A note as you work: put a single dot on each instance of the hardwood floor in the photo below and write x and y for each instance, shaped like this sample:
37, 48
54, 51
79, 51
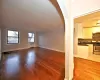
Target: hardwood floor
33, 64
86, 69
43, 64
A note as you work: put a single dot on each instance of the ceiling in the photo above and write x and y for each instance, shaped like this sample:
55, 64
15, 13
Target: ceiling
89, 20
33, 15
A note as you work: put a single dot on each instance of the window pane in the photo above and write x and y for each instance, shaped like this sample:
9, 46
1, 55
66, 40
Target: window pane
12, 40
30, 34
13, 33
31, 39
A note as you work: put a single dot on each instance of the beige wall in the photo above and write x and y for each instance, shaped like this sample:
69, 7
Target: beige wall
23, 41
96, 29
53, 40
87, 32
79, 32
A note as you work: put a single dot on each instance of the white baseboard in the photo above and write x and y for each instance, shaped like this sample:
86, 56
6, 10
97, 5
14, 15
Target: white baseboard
14, 49
52, 49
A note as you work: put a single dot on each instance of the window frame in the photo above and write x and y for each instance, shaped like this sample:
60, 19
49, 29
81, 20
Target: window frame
13, 37
31, 37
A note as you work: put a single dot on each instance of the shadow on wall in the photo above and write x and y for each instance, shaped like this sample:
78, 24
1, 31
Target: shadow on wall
56, 5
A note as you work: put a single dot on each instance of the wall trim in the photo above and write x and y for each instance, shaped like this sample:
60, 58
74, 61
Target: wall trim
14, 49
17, 49
52, 49
31, 47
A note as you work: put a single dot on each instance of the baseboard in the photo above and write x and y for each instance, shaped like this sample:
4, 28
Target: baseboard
13, 50
52, 49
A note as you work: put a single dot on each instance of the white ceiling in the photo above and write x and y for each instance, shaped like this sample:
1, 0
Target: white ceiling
34, 15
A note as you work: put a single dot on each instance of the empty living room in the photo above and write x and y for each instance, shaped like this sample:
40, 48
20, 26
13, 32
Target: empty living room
49, 39
32, 40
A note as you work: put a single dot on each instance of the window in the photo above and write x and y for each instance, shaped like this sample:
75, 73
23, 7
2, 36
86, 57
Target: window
30, 37
13, 37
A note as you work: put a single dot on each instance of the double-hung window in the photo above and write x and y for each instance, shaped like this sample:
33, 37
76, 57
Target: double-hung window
31, 37
12, 37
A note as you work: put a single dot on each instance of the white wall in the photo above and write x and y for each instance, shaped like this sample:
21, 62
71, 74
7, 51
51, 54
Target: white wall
82, 7
73, 8
66, 8
53, 40
23, 41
